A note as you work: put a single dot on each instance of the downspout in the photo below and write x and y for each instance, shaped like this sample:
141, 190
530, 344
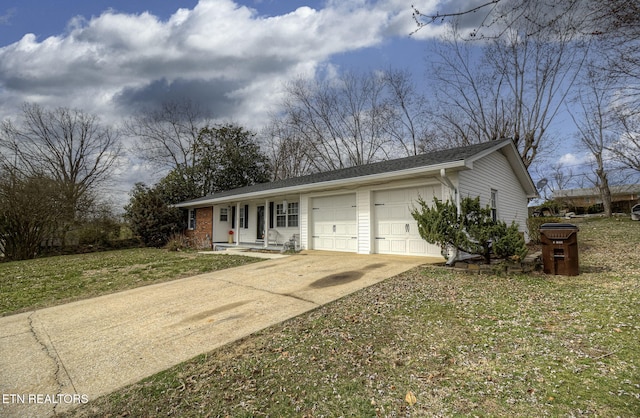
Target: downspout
447, 182
453, 252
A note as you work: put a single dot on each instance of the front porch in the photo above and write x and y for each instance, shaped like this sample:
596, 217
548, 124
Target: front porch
271, 246
250, 246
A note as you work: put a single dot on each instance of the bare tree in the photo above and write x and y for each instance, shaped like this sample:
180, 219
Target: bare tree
53, 163
28, 214
621, 45
594, 130
514, 91
349, 120
167, 137
493, 18
409, 116
553, 178
286, 151
68, 146
615, 24
339, 120
626, 145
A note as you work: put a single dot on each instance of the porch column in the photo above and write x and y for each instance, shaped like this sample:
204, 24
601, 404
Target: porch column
265, 244
236, 233
213, 222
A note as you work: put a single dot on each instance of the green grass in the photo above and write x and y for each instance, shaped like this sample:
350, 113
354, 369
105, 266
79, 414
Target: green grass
462, 344
33, 284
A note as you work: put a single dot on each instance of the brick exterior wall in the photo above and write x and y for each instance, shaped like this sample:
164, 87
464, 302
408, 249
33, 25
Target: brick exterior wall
201, 236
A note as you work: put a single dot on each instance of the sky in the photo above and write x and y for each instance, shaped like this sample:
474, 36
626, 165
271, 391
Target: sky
112, 58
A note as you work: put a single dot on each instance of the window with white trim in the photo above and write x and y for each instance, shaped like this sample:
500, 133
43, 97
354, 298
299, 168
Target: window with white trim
242, 218
289, 217
281, 216
192, 219
494, 205
292, 214
224, 214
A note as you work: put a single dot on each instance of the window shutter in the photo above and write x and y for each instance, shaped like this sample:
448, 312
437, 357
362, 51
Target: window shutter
233, 217
271, 215
246, 216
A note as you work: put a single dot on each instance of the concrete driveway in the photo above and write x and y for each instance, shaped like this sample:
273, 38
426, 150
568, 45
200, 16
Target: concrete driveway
52, 359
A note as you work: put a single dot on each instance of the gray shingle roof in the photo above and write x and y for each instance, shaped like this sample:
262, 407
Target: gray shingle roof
422, 160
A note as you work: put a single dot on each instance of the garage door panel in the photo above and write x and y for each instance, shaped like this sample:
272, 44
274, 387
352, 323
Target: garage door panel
346, 214
396, 229
323, 243
345, 244
333, 223
398, 212
383, 246
394, 226
325, 229
398, 246
346, 229
417, 246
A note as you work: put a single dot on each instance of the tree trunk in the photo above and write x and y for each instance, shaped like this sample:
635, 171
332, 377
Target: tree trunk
605, 194
603, 186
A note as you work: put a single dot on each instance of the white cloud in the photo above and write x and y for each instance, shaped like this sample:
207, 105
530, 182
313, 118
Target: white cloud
569, 159
222, 55
226, 52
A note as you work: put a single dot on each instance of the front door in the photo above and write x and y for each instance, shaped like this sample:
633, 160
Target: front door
260, 224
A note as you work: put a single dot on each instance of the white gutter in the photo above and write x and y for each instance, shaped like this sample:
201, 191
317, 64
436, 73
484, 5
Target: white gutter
446, 180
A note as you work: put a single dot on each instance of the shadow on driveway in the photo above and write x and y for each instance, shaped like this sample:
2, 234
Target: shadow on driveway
90, 348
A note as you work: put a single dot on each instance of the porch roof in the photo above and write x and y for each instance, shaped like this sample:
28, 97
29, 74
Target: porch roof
459, 158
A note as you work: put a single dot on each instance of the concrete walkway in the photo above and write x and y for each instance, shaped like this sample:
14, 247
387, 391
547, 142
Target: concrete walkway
52, 359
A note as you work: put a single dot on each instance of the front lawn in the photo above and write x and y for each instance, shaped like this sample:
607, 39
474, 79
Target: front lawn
34, 284
432, 342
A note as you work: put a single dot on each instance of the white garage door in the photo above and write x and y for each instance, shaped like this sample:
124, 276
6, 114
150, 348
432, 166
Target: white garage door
395, 230
333, 223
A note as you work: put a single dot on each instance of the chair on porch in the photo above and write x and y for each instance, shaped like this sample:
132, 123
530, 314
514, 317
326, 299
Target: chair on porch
293, 243
272, 237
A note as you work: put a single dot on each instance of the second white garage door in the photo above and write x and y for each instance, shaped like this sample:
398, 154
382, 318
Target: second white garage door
395, 230
333, 223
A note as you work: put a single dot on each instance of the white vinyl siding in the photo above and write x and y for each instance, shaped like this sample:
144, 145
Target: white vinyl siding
494, 172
